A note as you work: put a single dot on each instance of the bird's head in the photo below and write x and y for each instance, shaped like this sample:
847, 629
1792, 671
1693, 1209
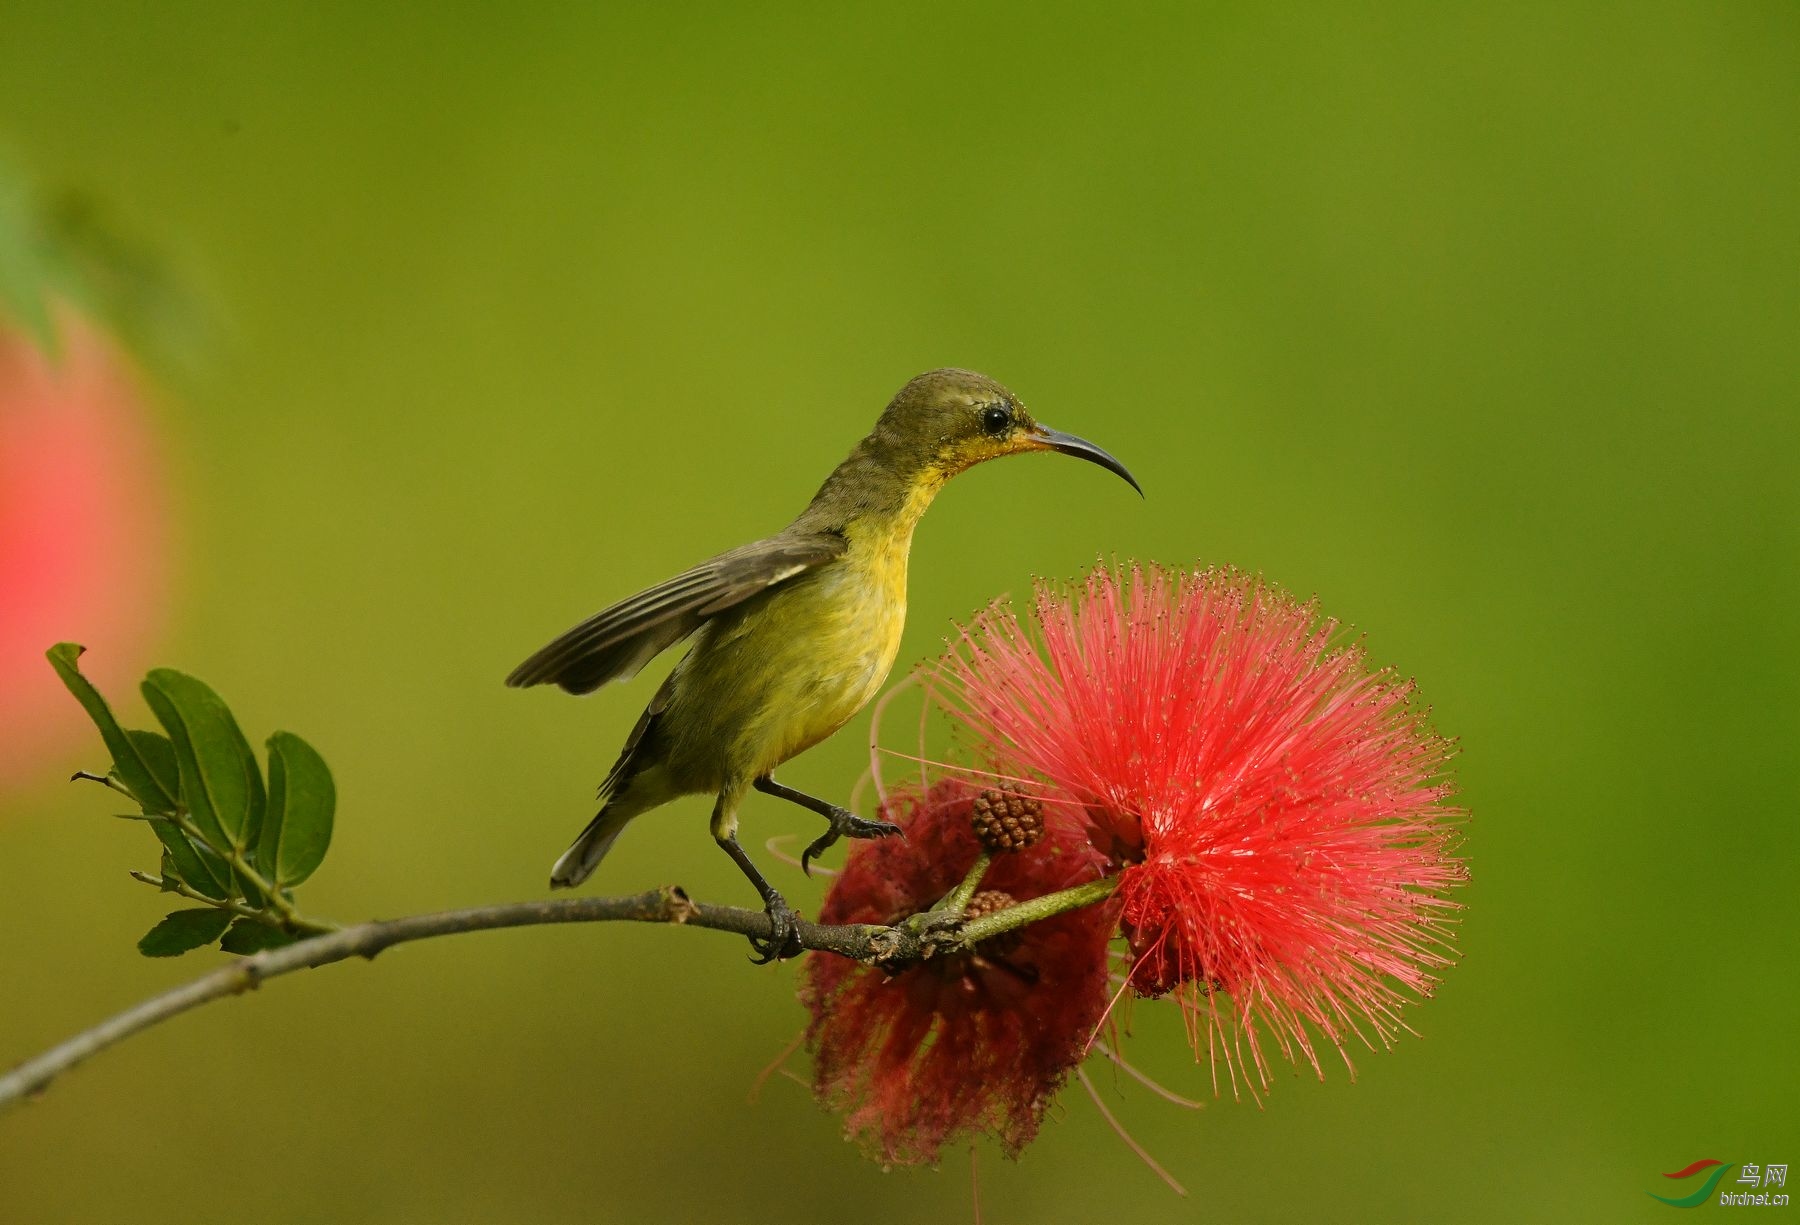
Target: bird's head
945, 421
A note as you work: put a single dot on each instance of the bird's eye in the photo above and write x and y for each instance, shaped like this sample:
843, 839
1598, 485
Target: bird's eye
996, 420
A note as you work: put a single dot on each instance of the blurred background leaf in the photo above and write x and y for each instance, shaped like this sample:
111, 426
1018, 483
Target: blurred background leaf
24, 273
1476, 321
66, 251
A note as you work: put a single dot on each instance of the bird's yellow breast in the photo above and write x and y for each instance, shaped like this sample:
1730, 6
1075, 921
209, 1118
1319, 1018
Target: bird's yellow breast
788, 669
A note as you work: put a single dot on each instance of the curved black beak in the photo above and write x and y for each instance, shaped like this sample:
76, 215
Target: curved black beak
1081, 448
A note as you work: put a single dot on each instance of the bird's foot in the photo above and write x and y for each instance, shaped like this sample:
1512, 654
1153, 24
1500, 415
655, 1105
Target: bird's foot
784, 933
844, 824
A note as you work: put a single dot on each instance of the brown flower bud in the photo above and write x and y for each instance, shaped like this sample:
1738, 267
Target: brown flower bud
985, 903
1006, 819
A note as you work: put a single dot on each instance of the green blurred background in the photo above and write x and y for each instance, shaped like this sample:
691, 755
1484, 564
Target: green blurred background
1479, 322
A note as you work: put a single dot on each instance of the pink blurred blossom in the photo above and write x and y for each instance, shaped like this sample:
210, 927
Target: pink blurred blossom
84, 537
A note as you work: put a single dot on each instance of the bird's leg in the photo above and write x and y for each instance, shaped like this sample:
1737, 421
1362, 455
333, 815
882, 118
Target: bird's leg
842, 822
784, 936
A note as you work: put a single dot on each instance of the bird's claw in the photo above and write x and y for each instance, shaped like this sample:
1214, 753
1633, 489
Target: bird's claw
844, 824
784, 933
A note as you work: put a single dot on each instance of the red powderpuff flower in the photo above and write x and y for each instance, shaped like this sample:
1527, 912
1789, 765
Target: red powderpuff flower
1278, 810
965, 1043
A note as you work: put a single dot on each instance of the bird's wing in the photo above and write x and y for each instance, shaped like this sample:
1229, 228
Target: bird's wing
615, 642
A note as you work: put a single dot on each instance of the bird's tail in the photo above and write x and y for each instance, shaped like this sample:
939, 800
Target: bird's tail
579, 861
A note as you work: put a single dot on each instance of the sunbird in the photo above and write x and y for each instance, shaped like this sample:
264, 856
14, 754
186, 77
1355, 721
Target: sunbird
793, 635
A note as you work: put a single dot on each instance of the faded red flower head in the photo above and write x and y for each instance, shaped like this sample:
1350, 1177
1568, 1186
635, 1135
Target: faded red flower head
959, 1044
84, 546
1278, 810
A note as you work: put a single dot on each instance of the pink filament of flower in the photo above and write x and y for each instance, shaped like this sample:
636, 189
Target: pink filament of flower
958, 1044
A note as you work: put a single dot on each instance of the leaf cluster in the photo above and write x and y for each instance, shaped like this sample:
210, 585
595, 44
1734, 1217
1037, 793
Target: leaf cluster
234, 839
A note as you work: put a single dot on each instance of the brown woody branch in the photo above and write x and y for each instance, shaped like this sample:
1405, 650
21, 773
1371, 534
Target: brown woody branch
884, 945
935, 932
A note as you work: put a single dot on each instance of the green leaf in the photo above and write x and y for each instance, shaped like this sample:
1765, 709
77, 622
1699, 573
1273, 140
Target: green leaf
136, 772
220, 782
158, 755
247, 888
196, 868
302, 800
248, 936
184, 930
